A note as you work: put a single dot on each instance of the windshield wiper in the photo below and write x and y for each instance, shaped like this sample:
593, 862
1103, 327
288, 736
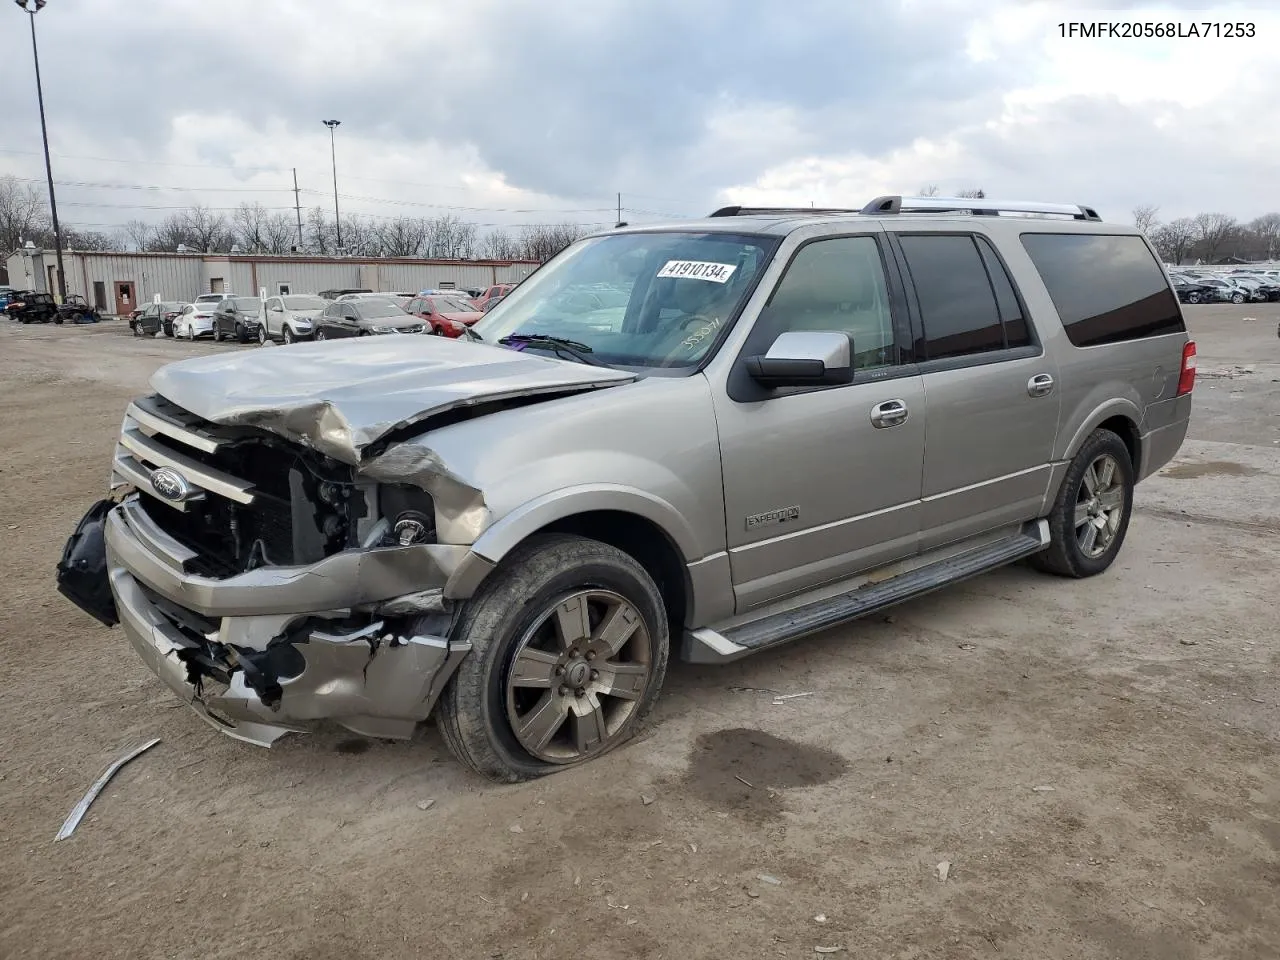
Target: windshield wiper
560, 345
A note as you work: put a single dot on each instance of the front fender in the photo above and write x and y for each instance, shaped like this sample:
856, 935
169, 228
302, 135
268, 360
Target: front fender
515, 527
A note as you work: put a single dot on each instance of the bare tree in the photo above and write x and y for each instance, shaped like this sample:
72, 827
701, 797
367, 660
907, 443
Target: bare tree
543, 241
22, 213
975, 192
1266, 229
499, 245
279, 233
74, 238
930, 191
170, 233
450, 238
137, 233
1173, 240
209, 230
403, 236
360, 237
1213, 231
1144, 218
250, 224
319, 232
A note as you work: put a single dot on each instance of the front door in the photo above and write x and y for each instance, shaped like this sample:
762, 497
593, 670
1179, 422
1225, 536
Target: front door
126, 303
990, 387
823, 483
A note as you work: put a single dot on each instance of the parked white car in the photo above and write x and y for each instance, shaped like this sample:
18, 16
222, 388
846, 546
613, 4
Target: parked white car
290, 317
196, 320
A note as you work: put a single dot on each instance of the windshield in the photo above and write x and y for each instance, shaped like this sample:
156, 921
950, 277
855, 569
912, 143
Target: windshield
451, 305
248, 304
371, 309
636, 300
305, 303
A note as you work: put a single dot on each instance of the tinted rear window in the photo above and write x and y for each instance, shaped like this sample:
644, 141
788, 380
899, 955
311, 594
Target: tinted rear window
1107, 289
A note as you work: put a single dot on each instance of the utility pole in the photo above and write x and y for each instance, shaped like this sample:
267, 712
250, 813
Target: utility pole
337, 219
619, 220
31, 8
297, 207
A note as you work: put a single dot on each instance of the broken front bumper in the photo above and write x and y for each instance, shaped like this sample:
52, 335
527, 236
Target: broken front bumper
343, 639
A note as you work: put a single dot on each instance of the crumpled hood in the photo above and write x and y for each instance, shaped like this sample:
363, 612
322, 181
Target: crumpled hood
343, 396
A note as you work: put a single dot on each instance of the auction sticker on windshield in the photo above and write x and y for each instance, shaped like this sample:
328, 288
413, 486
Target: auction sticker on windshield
698, 270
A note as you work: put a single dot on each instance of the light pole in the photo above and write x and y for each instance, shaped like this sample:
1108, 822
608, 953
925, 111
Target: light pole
337, 220
31, 8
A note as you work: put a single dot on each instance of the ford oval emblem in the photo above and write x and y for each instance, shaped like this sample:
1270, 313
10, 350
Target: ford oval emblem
170, 484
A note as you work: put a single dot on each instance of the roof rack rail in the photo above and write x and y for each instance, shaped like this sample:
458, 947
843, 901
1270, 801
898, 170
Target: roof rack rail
978, 206
771, 211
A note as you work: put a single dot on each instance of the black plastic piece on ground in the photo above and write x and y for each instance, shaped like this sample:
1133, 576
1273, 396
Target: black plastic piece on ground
82, 571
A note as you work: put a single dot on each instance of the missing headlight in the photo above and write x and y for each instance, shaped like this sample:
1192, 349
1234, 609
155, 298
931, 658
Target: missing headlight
411, 514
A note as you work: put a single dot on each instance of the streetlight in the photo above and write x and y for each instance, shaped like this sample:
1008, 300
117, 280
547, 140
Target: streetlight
31, 8
331, 124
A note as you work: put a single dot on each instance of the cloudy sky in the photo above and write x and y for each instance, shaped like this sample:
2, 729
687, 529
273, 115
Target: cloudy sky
516, 111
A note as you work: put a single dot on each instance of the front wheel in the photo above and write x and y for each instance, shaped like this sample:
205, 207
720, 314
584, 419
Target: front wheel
1193, 298
137, 329
1237, 298
570, 641
288, 335
1091, 513
241, 334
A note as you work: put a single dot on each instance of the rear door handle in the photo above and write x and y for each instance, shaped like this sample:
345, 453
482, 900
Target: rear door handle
1041, 385
890, 413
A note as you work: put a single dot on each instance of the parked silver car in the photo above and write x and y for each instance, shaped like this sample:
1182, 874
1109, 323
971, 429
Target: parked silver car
290, 317
792, 419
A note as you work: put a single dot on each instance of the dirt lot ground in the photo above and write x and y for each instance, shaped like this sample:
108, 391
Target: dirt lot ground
1097, 760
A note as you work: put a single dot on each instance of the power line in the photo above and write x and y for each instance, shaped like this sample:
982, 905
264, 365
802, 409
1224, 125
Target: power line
157, 163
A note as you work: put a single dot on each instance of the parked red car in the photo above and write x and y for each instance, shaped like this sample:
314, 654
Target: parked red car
445, 316
493, 293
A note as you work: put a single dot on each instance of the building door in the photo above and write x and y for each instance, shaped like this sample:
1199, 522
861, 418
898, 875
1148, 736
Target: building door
53, 281
99, 296
217, 285
126, 300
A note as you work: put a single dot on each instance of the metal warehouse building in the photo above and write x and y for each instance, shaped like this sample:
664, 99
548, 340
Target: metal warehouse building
116, 282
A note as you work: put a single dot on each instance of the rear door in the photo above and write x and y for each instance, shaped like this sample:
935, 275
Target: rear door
990, 387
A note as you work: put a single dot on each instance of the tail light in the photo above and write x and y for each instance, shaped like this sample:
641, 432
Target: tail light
1187, 379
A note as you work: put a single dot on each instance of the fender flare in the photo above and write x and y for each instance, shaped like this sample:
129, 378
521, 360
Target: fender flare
518, 525
1105, 411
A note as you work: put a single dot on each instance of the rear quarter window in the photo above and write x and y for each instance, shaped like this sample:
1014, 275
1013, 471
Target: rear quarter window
1106, 288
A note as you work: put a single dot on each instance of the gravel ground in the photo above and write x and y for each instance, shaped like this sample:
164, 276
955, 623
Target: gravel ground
1095, 760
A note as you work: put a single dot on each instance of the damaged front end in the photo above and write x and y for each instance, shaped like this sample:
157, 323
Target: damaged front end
269, 586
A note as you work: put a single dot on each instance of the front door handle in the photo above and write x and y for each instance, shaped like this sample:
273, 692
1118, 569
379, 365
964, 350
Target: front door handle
1041, 385
890, 413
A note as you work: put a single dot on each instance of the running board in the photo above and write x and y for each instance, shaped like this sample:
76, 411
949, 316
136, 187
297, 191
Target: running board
711, 646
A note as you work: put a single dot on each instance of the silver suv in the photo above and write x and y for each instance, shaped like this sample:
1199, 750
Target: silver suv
707, 438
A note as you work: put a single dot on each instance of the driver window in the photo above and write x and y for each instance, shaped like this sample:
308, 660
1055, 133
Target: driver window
837, 284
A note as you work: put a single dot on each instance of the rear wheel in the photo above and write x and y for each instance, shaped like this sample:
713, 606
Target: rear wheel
1091, 514
1193, 298
137, 329
570, 643
320, 335
191, 333
262, 336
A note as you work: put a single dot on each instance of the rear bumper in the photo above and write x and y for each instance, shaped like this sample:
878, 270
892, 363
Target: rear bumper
298, 644
1167, 422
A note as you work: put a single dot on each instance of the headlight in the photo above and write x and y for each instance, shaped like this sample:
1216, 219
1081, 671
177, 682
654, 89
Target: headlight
301, 322
377, 329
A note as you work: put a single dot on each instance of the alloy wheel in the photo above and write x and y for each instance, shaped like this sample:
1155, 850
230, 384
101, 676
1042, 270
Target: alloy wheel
288, 335
577, 676
1099, 506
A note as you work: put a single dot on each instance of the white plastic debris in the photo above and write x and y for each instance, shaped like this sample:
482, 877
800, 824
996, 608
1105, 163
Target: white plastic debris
646, 799
426, 804
944, 870
820, 918
1044, 789
767, 878
516, 828
827, 949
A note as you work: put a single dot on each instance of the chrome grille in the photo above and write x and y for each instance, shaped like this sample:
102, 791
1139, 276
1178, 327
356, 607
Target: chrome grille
235, 497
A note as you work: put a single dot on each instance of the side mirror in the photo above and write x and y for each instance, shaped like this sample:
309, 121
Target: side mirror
805, 358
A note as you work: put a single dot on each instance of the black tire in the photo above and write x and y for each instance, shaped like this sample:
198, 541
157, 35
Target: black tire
136, 328
262, 336
1193, 298
1237, 298
217, 333
472, 711
191, 333
1065, 556
241, 334
320, 336
288, 334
